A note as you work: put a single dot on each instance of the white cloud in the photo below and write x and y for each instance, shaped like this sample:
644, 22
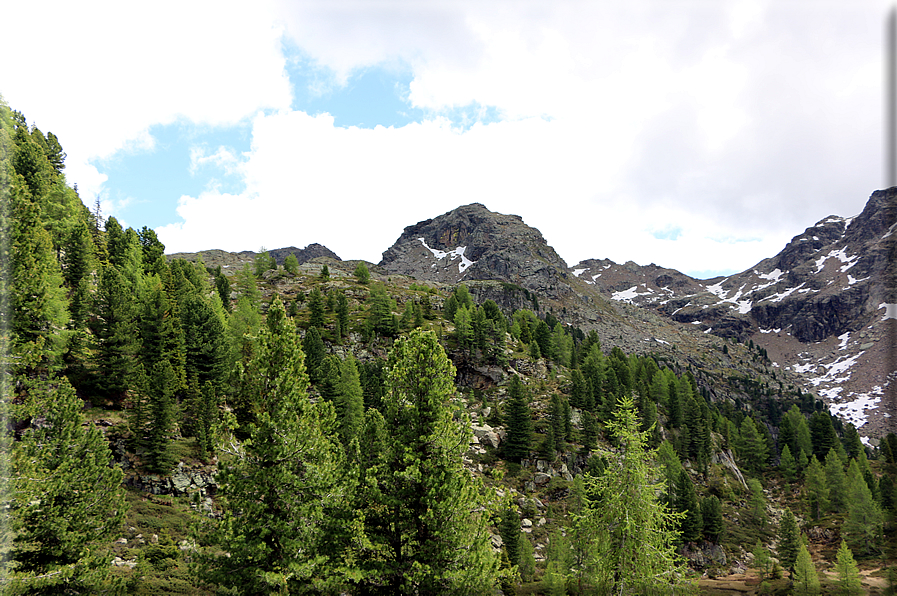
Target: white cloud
735, 120
99, 74
355, 189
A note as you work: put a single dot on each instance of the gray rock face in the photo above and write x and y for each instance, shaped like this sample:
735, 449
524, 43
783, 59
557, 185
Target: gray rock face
704, 554
473, 243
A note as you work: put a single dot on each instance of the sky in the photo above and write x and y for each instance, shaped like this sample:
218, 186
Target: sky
700, 136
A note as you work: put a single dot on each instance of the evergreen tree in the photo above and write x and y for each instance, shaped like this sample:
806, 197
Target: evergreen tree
162, 415
836, 481
349, 402
325, 272
284, 530
864, 520
692, 526
264, 262
435, 538
509, 528
762, 560
313, 346
342, 313
751, 446
757, 502
291, 264
69, 501
381, 320
115, 333
79, 263
822, 433
361, 273
712, 513
787, 465
789, 541
849, 582
38, 306
519, 439
527, 565
635, 533
806, 580
316, 308
205, 340
816, 485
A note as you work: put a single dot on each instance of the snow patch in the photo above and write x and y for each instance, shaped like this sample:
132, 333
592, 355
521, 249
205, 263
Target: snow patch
577, 272
844, 337
890, 311
629, 295
841, 255
854, 411
452, 254
779, 330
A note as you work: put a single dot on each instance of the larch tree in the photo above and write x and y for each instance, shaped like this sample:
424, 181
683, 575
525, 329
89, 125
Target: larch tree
816, 487
635, 534
848, 582
433, 536
806, 580
863, 524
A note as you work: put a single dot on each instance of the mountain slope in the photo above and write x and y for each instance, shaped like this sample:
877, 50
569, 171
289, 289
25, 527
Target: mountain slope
824, 307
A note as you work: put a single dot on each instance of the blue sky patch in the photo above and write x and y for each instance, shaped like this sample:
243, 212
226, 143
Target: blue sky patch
145, 185
668, 233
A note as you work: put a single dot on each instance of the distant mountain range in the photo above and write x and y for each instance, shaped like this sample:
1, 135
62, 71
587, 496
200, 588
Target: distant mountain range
824, 309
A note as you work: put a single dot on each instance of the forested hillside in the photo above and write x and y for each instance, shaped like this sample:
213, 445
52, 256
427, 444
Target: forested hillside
331, 428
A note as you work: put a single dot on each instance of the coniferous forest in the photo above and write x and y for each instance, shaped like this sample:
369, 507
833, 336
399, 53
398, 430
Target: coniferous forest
174, 427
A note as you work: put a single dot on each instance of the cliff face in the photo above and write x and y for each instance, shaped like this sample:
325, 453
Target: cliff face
472, 243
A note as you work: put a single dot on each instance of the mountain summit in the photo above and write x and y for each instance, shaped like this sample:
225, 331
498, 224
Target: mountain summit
472, 243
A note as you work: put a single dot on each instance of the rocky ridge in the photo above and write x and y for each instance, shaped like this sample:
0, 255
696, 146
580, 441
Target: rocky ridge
824, 307
472, 243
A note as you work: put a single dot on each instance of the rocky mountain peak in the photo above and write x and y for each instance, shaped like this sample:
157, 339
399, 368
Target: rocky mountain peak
474, 243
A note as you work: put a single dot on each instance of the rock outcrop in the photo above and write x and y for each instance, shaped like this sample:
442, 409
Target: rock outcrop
473, 243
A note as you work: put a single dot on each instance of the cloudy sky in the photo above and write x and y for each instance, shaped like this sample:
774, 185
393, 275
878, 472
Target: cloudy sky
695, 135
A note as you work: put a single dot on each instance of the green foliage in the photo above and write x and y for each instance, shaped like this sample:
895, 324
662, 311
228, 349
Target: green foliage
349, 401
316, 308
863, 524
69, 501
283, 529
361, 273
712, 514
38, 305
381, 320
806, 580
757, 502
264, 262
848, 582
509, 528
634, 532
816, 487
751, 446
291, 264
762, 560
787, 465
836, 481
162, 415
325, 272
519, 422
427, 528
114, 333
789, 540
